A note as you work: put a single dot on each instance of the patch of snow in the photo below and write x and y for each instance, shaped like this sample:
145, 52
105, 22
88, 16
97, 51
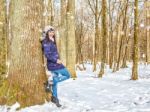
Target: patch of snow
115, 92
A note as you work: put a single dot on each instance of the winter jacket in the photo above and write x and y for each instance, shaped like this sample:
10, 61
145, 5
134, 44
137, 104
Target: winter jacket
51, 54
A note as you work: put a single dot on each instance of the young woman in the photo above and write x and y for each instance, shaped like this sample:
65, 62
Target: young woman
54, 63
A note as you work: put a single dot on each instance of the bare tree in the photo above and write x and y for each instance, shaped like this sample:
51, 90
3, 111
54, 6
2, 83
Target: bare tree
63, 31
104, 36
71, 46
135, 50
123, 32
95, 8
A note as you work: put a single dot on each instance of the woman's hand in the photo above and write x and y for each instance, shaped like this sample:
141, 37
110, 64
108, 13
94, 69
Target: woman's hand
59, 61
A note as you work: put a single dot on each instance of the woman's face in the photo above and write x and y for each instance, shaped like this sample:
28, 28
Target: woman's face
51, 33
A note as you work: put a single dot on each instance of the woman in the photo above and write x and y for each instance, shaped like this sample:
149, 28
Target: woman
54, 63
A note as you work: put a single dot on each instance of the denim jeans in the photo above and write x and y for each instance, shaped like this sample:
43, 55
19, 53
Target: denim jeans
59, 76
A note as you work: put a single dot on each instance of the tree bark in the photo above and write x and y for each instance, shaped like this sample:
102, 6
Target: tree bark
147, 7
104, 36
96, 40
135, 47
3, 51
71, 46
63, 34
116, 50
26, 72
124, 27
94, 6
50, 12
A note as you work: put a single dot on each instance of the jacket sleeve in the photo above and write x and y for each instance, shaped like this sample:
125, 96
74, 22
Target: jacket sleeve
48, 53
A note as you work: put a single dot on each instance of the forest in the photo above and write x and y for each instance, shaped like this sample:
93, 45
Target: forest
103, 44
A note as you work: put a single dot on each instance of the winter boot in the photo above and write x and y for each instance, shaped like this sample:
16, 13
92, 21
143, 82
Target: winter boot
55, 101
48, 87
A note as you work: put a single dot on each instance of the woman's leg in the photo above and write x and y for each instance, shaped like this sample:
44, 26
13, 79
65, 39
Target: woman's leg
54, 86
59, 78
64, 75
54, 89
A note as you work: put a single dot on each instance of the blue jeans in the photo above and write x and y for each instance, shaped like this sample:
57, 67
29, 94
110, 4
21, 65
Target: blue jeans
59, 76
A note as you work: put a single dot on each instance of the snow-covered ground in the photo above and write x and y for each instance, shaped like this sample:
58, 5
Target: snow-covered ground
115, 92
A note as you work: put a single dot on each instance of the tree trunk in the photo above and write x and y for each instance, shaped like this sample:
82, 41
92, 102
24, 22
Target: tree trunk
147, 6
26, 72
124, 27
3, 50
71, 46
50, 11
124, 63
116, 50
104, 36
96, 40
63, 34
79, 41
111, 37
126, 39
135, 50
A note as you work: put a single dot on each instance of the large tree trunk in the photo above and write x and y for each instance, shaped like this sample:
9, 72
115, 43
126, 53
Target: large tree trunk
71, 46
26, 72
48, 18
104, 36
50, 12
3, 50
135, 47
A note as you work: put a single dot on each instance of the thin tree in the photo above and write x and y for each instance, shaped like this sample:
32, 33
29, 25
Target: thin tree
71, 46
96, 12
135, 47
63, 32
123, 31
104, 36
80, 34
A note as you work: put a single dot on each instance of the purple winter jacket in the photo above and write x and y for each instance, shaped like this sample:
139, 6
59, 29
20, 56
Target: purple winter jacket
51, 54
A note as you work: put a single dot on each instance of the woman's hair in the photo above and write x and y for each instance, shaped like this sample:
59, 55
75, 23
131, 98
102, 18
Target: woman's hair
47, 36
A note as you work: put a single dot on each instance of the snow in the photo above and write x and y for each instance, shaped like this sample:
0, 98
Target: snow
115, 92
